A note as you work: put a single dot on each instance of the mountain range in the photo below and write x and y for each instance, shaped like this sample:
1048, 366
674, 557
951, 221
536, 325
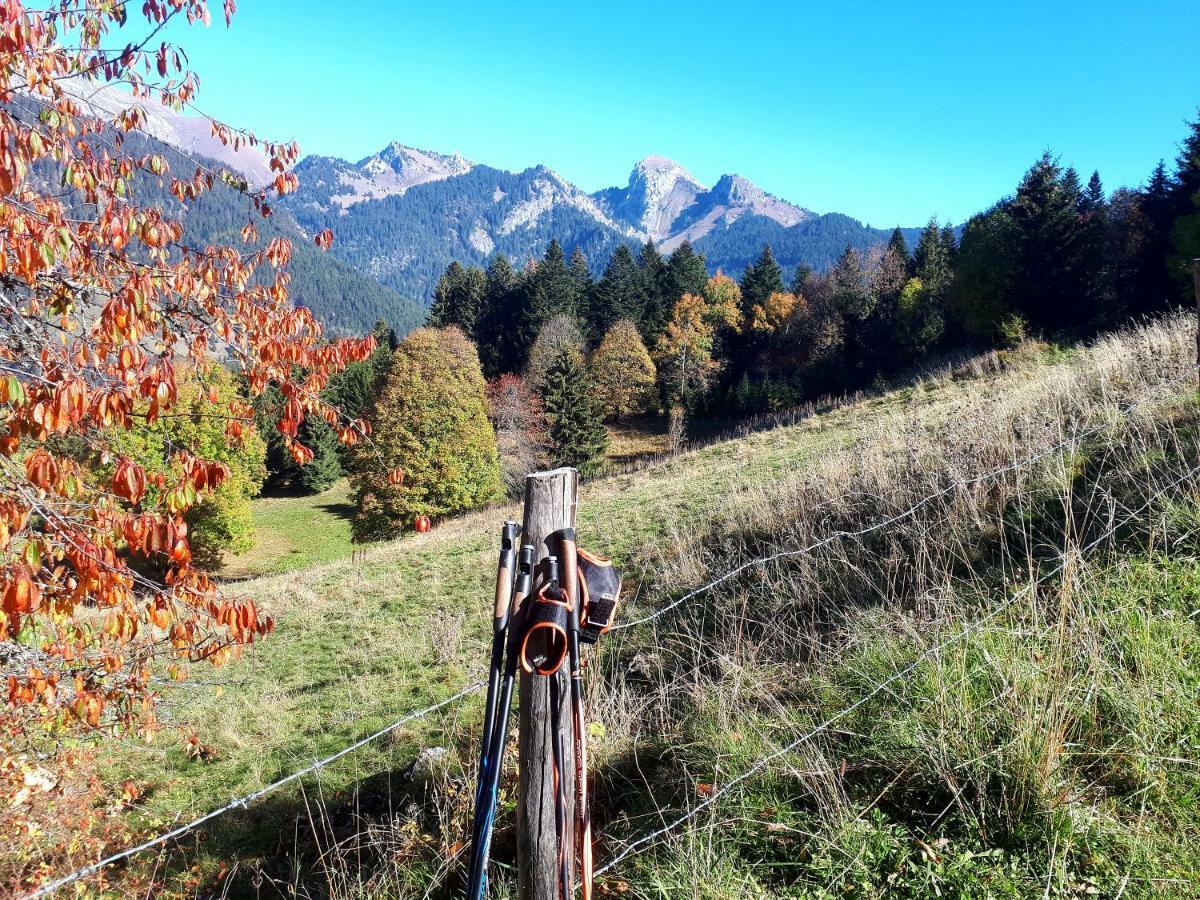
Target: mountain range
400, 216
403, 214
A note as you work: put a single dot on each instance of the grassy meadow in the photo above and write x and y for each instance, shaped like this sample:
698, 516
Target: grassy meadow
1055, 747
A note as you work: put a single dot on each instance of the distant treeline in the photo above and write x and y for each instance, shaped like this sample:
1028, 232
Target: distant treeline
1058, 258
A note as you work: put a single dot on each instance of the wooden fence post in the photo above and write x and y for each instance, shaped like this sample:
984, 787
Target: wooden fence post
550, 501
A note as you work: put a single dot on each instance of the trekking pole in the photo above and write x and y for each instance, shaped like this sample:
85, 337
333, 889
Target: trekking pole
569, 554
554, 592
505, 571
490, 782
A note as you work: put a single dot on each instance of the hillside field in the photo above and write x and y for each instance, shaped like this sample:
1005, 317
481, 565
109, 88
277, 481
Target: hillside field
705, 691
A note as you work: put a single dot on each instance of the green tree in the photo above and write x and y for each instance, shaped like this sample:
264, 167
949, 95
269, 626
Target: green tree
919, 322
458, 298
619, 294
221, 522
623, 374
577, 434
430, 420
552, 290
500, 332
898, 245
656, 289
686, 273
1045, 214
558, 334
581, 277
760, 280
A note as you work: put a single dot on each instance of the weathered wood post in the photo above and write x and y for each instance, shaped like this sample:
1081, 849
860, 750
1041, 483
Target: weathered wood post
550, 501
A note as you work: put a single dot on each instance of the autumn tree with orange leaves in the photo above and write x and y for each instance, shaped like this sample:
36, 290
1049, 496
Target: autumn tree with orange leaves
103, 305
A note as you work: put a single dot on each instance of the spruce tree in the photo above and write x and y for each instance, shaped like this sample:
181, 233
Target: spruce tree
552, 289
801, 277
442, 311
1045, 212
760, 280
577, 434
899, 246
619, 294
686, 273
499, 332
932, 262
1158, 203
656, 289
326, 465
581, 277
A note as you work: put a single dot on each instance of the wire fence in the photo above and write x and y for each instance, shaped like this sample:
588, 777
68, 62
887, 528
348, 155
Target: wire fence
243, 801
898, 517
644, 841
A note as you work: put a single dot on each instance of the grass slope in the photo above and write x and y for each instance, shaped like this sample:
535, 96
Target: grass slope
360, 643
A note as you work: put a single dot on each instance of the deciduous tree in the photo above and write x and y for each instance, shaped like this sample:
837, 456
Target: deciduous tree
103, 299
623, 374
430, 423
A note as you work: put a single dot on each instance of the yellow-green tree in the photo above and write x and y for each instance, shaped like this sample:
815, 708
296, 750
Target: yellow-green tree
221, 521
723, 298
623, 374
685, 351
773, 313
430, 420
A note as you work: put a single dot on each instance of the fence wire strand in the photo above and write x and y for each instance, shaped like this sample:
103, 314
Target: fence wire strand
725, 789
244, 801
893, 519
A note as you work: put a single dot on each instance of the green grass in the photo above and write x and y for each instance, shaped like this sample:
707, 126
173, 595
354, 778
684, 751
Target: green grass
361, 642
1057, 755
292, 532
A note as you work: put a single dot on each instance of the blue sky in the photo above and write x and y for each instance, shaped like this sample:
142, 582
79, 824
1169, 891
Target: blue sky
889, 112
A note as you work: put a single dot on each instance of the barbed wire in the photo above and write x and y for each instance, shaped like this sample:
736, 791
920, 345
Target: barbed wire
244, 801
725, 789
893, 519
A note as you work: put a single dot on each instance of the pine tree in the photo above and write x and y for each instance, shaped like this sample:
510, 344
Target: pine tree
623, 375
760, 280
577, 434
619, 294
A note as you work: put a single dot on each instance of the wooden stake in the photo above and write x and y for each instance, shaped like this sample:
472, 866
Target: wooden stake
550, 502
